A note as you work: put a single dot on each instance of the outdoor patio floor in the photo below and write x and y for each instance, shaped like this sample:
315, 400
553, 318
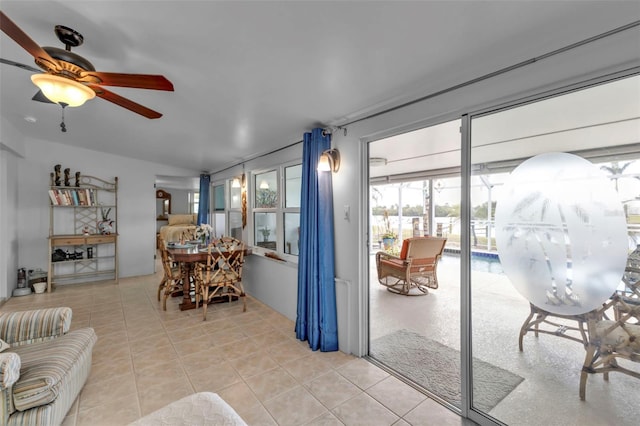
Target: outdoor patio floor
550, 365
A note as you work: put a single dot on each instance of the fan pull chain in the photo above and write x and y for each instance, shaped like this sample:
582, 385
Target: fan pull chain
63, 128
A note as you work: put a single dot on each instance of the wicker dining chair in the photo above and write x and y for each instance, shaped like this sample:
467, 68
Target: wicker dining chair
221, 275
172, 278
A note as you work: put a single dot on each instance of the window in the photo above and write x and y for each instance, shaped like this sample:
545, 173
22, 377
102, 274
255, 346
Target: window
293, 185
234, 213
194, 201
276, 210
219, 205
265, 208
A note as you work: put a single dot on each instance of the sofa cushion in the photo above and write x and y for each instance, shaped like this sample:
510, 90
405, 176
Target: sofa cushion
182, 219
619, 339
46, 365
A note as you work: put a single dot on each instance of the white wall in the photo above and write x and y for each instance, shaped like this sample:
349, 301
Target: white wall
179, 201
11, 151
136, 201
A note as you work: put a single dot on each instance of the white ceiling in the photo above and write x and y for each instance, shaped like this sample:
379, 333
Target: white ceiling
595, 117
251, 77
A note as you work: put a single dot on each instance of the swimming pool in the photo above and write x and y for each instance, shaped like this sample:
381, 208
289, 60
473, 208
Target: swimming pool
480, 261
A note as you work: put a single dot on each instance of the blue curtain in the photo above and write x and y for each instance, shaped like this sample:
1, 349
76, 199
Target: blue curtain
316, 317
203, 206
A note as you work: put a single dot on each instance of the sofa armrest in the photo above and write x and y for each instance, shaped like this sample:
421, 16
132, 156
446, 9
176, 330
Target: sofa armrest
9, 369
9, 373
21, 328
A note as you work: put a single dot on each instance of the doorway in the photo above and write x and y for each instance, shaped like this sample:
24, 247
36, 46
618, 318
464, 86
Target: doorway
415, 191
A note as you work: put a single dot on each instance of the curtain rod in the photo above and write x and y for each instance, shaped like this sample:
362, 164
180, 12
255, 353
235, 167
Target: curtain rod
256, 157
459, 86
325, 132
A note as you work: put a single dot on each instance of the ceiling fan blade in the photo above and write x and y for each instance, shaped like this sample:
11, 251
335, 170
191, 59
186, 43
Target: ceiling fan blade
103, 93
20, 37
19, 65
138, 81
40, 97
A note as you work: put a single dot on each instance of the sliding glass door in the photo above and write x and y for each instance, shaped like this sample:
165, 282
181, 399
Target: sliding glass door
554, 192
415, 191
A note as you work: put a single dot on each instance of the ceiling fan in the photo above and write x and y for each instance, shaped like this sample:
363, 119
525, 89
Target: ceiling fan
64, 68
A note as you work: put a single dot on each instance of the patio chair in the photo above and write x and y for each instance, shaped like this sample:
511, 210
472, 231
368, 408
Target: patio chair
545, 322
614, 345
221, 275
414, 272
542, 321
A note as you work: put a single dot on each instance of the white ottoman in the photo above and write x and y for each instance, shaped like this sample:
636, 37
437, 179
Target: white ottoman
203, 408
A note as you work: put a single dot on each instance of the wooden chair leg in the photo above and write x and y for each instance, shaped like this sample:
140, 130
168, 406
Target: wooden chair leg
588, 360
165, 296
523, 329
161, 286
205, 301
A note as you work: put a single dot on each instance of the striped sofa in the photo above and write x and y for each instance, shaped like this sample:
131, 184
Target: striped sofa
45, 367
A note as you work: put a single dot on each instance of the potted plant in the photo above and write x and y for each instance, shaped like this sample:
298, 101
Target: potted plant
388, 237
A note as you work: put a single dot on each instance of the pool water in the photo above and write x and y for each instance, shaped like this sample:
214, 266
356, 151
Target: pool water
480, 262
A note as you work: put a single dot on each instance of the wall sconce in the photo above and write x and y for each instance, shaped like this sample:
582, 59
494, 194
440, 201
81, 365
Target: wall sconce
329, 161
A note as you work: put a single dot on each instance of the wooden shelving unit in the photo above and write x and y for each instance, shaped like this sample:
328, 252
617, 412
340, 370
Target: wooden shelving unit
77, 229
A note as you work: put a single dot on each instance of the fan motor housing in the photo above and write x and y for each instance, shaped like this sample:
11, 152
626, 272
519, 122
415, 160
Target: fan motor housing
72, 64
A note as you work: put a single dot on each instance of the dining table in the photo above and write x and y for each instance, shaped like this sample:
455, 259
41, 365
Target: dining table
188, 255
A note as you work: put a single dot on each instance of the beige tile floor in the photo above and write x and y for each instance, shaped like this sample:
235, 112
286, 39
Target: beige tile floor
146, 358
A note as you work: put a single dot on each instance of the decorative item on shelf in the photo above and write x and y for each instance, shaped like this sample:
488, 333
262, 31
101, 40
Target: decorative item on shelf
57, 169
105, 226
204, 231
67, 171
85, 230
22, 278
265, 233
243, 192
89, 252
36, 276
273, 255
78, 179
58, 255
22, 289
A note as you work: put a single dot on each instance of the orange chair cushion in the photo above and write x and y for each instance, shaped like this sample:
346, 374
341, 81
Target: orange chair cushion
393, 263
405, 249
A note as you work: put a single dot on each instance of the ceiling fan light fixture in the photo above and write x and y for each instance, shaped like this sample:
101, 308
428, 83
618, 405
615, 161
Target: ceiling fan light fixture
62, 90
